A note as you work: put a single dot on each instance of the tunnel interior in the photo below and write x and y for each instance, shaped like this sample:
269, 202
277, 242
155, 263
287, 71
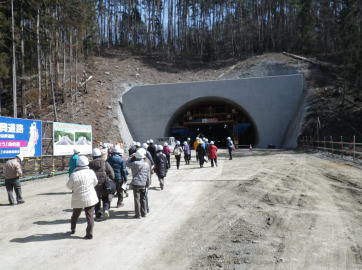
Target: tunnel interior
215, 119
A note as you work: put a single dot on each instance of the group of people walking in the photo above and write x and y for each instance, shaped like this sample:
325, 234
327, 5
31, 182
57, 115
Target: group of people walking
95, 183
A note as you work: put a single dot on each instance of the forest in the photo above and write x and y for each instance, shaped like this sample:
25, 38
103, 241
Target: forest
43, 43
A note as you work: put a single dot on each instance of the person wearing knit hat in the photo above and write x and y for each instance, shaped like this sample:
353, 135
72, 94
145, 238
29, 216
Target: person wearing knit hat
140, 182
82, 182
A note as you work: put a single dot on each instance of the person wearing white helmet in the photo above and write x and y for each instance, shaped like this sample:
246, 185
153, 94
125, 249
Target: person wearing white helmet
201, 153
187, 152
230, 146
73, 160
12, 173
213, 154
152, 149
120, 173
167, 151
106, 187
161, 166
177, 151
82, 182
132, 149
196, 144
140, 182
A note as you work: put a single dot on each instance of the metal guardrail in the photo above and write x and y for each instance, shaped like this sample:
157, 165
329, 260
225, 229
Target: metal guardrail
341, 147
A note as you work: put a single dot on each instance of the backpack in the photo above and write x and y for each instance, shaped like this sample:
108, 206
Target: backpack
177, 151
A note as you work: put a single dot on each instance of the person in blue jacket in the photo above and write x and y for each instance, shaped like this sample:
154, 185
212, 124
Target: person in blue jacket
118, 165
73, 161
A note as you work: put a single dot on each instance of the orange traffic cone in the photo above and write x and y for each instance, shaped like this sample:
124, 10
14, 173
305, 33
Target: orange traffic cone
250, 147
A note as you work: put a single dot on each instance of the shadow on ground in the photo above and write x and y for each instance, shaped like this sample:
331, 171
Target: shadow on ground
45, 237
55, 193
122, 214
58, 221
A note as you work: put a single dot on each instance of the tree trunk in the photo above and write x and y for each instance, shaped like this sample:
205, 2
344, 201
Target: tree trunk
52, 87
23, 102
38, 52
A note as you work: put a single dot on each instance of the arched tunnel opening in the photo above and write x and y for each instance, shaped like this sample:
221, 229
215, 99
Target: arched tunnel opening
215, 119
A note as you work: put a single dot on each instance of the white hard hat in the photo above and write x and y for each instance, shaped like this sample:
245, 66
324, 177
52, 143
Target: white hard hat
20, 156
178, 142
206, 139
138, 144
197, 138
133, 143
159, 148
165, 144
96, 152
117, 149
148, 141
82, 161
212, 142
228, 138
76, 151
185, 143
140, 153
201, 141
145, 145
188, 139
151, 141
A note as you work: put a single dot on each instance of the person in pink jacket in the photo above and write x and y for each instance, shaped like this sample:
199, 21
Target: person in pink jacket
167, 151
82, 182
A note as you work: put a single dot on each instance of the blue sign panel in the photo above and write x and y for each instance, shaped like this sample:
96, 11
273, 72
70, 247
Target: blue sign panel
20, 136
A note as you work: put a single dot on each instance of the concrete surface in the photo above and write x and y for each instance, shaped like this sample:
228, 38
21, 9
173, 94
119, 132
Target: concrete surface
271, 102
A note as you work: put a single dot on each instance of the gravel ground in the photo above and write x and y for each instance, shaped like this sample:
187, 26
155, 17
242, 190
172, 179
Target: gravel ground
262, 210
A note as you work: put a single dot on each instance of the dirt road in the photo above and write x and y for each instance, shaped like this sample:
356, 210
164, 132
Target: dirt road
262, 210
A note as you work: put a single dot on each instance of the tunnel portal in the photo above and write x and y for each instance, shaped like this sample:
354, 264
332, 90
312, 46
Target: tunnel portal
259, 111
215, 119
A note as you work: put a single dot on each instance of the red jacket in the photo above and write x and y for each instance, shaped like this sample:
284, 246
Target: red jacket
212, 152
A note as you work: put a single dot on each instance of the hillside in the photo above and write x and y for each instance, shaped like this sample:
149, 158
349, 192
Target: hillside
118, 71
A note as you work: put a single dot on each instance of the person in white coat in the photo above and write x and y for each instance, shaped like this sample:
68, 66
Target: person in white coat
82, 182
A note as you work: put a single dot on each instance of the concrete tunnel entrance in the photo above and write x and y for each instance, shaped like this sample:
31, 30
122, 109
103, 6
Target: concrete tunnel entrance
216, 119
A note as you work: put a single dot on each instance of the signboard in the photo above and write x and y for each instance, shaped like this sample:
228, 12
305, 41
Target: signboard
68, 137
20, 136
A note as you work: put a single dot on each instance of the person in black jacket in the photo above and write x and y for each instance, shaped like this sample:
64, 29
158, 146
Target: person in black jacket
132, 149
120, 176
161, 166
104, 173
152, 149
201, 153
